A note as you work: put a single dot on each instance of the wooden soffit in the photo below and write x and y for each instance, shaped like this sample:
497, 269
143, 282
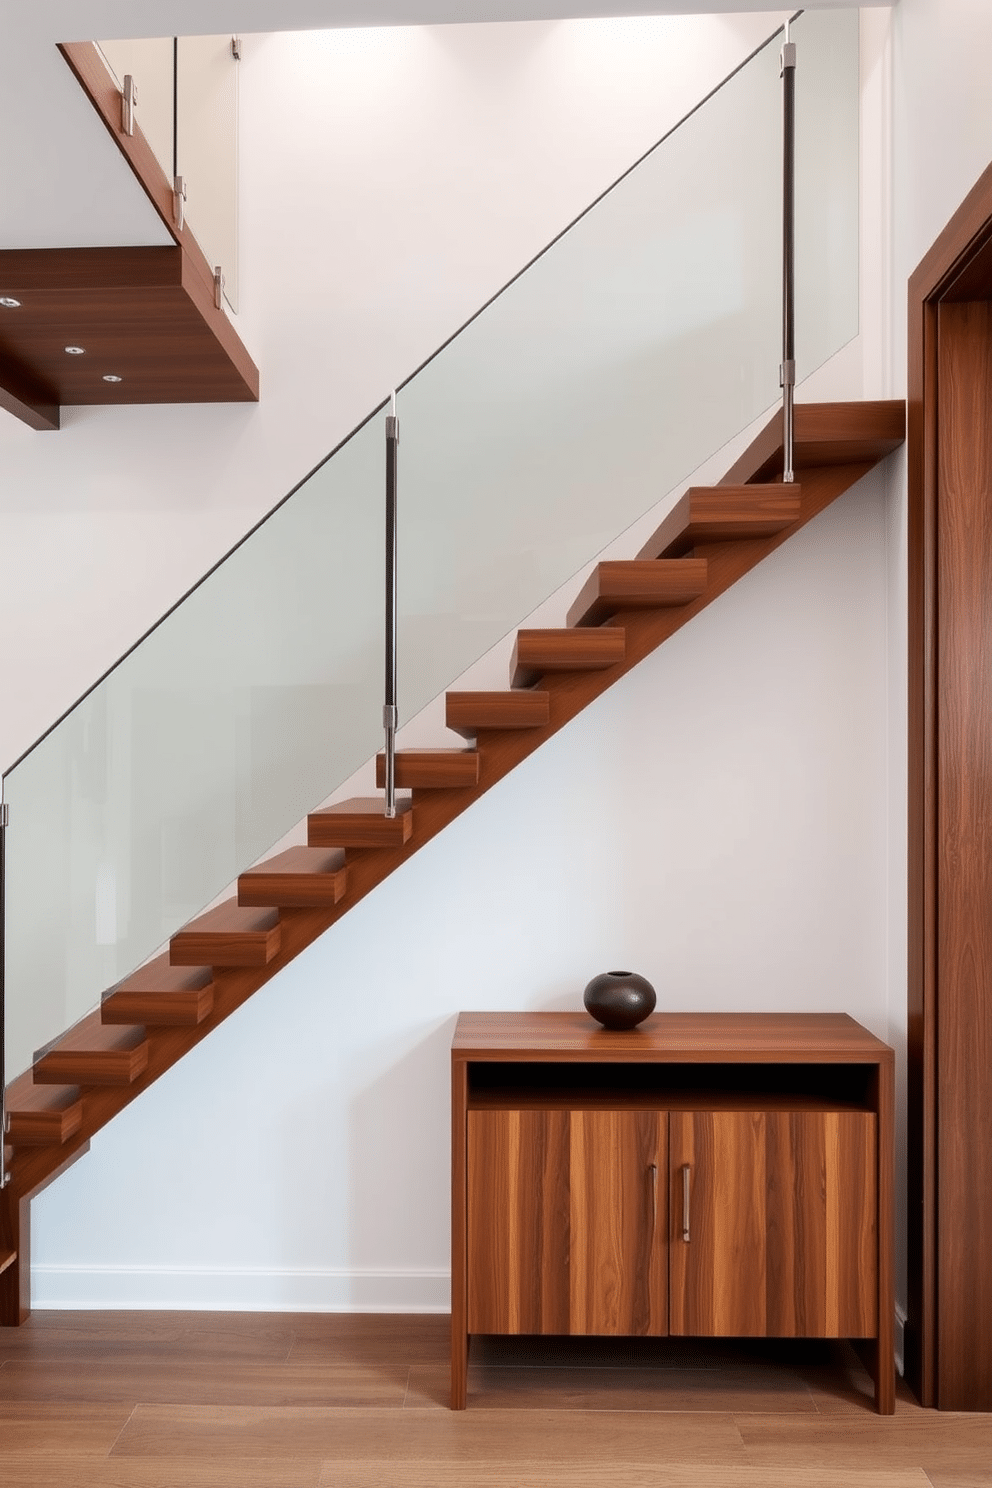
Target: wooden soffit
145, 315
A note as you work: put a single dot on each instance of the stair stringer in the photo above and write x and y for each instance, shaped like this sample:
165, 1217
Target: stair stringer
836, 446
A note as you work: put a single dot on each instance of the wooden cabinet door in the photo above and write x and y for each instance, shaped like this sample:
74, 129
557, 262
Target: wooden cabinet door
782, 1225
567, 1222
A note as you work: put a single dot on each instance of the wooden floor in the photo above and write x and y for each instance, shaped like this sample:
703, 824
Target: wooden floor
138, 1400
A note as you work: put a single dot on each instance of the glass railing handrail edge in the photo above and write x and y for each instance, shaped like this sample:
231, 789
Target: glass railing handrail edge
178, 603
384, 403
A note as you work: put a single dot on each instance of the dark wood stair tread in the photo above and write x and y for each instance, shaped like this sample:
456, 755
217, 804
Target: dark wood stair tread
468, 712
94, 1053
299, 878
431, 769
228, 935
537, 652
361, 822
724, 514
845, 440
42, 1115
637, 584
826, 434
161, 995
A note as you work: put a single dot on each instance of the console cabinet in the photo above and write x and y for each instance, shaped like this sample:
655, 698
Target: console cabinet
704, 1175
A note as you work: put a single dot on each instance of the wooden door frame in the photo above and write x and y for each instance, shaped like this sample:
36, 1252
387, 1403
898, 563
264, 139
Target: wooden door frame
958, 266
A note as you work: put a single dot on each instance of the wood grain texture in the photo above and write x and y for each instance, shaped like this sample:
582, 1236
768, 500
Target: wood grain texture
432, 769
724, 513
786, 1235
397, 1436
137, 312
467, 713
876, 428
94, 1053
41, 1114
459, 1237
661, 1413
299, 877
565, 1226
361, 822
228, 936
618, 1277
536, 652
734, 1038
954, 268
99, 84
964, 860
637, 584
825, 434
783, 1224
161, 995
921, 1043
518, 1231
22, 393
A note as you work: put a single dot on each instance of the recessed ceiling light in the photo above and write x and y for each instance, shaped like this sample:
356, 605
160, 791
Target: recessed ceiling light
9, 303
76, 350
112, 377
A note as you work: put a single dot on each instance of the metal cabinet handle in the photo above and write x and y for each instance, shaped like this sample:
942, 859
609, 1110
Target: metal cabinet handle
685, 1202
653, 1170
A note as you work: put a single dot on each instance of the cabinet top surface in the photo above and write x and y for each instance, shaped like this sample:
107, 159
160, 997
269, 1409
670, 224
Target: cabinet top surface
674, 1037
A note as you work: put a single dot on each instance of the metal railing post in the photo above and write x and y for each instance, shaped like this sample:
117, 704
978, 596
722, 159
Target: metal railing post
4, 1175
787, 372
389, 713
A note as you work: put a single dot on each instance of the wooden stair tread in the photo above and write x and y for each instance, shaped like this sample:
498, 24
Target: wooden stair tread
161, 995
843, 457
537, 652
726, 513
94, 1053
228, 935
634, 584
40, 1115
7, 1258
361, 822
468, 712
299, 878
825, 435
431, 769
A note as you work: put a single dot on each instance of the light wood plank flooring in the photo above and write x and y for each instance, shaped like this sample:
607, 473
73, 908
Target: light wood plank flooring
223, 1400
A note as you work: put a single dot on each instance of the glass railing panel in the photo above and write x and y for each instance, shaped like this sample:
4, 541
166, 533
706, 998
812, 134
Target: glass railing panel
207, 73
640, 342
198, 751
828, 120
648, 335
188, 110
151, 62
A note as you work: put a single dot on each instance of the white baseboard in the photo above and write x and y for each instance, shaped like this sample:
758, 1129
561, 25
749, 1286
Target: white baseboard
244, 1289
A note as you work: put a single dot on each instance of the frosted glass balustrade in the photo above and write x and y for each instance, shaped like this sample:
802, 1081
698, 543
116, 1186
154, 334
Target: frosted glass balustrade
640, 342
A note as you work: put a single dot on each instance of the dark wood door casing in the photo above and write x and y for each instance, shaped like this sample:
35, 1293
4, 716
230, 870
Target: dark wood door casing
949, 1327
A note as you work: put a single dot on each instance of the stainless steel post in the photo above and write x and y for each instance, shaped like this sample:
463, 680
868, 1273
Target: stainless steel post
787, 372
389, 714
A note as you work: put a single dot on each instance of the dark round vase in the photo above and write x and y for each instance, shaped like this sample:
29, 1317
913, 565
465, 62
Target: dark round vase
619, 999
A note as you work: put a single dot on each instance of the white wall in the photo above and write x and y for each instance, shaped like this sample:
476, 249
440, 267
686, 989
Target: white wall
722, 820
483, 142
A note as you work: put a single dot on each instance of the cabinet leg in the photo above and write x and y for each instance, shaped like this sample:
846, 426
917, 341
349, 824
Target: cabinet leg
459, 1370
878, 1358
15, 1240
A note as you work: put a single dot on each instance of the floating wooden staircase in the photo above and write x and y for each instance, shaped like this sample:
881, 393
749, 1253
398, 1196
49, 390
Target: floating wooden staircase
624, 611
